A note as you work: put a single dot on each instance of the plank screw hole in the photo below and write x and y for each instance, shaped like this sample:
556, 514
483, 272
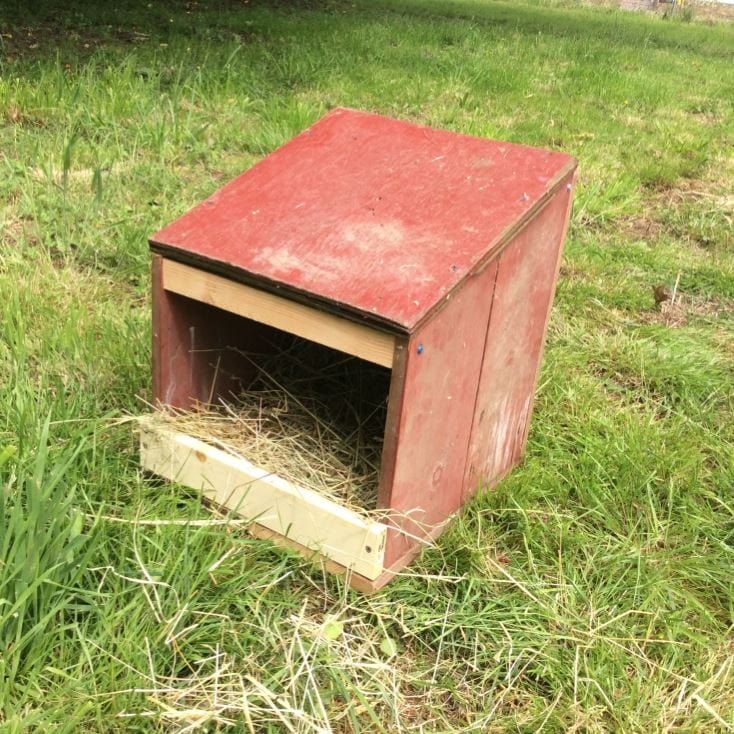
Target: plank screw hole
368, 548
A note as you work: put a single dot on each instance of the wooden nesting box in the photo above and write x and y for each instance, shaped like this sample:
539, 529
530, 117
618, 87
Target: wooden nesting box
432, 254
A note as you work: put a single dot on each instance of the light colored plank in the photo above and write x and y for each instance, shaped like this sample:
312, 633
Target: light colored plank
299, 514
355, 580
324, 328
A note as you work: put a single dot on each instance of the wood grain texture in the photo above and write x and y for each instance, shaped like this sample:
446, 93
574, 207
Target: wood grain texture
356, 580
177, 374
293, 512
526, 277
332, 331
366, 215
434, 416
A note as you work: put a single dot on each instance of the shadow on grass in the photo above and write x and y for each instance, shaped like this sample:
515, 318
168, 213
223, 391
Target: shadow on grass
618, 28
39, 27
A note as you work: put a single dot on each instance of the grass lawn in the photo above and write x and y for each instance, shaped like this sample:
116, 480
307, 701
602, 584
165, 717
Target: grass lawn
592, 591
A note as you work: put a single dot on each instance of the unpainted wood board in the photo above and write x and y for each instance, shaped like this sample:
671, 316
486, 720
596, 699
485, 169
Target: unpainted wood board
371, 215
355, 580
523, 297
282, 313
302, 515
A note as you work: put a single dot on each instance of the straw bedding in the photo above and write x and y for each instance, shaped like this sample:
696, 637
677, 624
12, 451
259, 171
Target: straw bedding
312, 415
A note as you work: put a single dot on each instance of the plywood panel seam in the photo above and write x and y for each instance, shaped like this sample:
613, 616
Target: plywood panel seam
559, 257
481, 372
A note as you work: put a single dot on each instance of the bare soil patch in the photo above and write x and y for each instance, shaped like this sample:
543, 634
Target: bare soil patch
679, 311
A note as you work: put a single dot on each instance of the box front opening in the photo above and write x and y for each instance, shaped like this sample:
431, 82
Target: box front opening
305, 412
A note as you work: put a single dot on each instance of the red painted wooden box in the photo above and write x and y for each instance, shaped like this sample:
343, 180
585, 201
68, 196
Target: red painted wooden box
430, 253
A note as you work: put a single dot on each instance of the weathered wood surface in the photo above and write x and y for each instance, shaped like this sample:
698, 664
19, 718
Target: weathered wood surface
367, 215
433, 422
193, 356
461, 403
526, 279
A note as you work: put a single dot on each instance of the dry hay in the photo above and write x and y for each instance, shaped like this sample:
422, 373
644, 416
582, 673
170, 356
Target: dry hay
311, 415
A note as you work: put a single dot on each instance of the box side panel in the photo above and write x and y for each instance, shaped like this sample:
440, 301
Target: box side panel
171, 354
526, 278
194, 347
432, 422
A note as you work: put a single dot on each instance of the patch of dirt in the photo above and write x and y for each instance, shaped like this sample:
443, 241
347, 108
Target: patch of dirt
698, 212
642, 227
568, 271
30, 41
14, 115
680, 209
688, 189
704, 116
678, 311
16, 230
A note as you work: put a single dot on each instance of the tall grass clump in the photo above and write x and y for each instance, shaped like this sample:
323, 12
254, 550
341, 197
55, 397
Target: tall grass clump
44, 546
43, 550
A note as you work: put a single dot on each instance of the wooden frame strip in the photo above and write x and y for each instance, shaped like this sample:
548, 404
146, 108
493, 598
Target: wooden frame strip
282, 313
293, 512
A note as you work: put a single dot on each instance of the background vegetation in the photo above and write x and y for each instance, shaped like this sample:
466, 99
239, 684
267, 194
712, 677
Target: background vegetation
592, 591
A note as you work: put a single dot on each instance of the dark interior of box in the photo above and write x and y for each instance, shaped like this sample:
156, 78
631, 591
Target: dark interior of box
313, 415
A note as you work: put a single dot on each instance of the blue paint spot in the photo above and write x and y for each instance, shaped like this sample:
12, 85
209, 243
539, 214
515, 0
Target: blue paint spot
420, 349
